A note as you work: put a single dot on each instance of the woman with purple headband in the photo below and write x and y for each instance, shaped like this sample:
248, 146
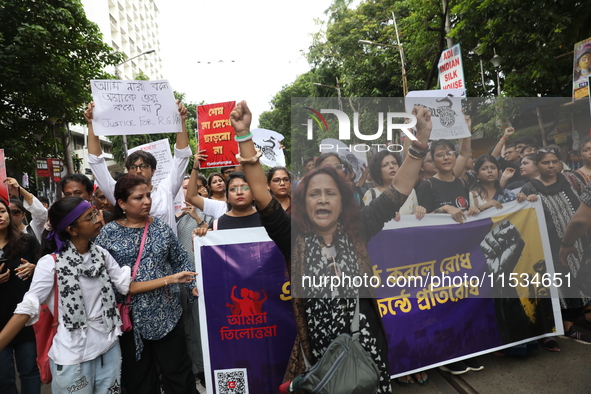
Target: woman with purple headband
85, 352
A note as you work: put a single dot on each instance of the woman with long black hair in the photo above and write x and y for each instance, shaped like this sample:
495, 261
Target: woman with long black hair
15, 248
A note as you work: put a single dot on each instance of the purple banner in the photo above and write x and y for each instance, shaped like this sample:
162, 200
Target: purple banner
247, 324
445, 294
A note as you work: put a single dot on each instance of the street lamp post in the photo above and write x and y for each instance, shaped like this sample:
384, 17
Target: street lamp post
118, 75
496, 61
337, 88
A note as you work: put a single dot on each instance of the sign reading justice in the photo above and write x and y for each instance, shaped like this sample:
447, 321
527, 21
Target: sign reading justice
134, 107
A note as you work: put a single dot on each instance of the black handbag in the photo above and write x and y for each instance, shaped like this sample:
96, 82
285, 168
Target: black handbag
345, 367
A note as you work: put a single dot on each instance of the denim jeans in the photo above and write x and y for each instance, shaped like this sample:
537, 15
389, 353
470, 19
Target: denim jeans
99, 376
24, 354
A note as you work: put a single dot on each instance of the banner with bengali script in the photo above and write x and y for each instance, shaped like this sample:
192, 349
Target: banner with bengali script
473, 287
216, 134
246, 318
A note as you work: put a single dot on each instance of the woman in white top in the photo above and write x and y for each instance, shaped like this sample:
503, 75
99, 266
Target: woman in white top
85, 354
382, 168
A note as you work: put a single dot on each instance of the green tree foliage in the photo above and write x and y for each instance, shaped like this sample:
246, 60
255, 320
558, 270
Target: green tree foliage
49, 51
535, 39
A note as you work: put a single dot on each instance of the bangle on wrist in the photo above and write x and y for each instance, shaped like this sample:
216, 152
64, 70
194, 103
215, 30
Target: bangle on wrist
165, 282
195, 168
243, 138
416, 154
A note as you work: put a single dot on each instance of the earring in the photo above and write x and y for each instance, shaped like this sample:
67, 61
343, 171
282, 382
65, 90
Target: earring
124, 217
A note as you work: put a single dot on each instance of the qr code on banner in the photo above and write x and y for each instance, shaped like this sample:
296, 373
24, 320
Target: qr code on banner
231, 381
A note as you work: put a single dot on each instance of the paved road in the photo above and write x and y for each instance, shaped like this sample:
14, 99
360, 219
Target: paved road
541, 372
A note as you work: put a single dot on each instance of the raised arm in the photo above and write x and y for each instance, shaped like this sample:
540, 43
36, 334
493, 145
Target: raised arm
182, 138
407, 175
94, 144
241, 118
497, 150
465, 151
193, 196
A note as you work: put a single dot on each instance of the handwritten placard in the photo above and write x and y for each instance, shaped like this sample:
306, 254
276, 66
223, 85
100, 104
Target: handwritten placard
134, 107
216, 134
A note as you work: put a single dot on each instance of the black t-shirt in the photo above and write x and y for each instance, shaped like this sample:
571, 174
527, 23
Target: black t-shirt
226, 222
12, 291
434, 193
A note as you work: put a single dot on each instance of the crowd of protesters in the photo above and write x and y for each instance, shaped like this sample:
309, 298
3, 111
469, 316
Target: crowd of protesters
107, 238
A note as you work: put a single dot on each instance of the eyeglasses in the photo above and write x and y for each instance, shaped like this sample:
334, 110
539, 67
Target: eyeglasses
93, 217
101, 198
141, 167
443, 154
16, 211
279, 180
77, 193
336, 166
237, 188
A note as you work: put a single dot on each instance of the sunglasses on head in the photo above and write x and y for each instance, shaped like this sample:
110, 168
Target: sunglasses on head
548, 150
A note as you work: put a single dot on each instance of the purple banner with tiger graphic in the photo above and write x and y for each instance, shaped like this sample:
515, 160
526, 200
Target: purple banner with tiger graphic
246, 317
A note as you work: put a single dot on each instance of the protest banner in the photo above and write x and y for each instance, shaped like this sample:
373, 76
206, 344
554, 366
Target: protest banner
581, 69
269, 142
161, 151
451, 69
446, 111
490, 299
246, 318
134, 107
3, 187
216, 134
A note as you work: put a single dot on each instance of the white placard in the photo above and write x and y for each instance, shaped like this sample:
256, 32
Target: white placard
451, 70
269, 142
446, 112
134, 107
161, 151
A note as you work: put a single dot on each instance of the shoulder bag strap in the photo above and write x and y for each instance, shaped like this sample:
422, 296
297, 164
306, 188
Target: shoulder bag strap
55, 299
139, 255
355, 321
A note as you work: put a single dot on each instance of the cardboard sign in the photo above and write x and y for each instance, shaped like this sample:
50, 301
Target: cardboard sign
134, 107
446, 112
451, 70
216, 134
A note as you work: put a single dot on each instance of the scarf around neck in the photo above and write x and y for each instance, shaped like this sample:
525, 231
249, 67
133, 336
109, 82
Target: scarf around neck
70, 266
